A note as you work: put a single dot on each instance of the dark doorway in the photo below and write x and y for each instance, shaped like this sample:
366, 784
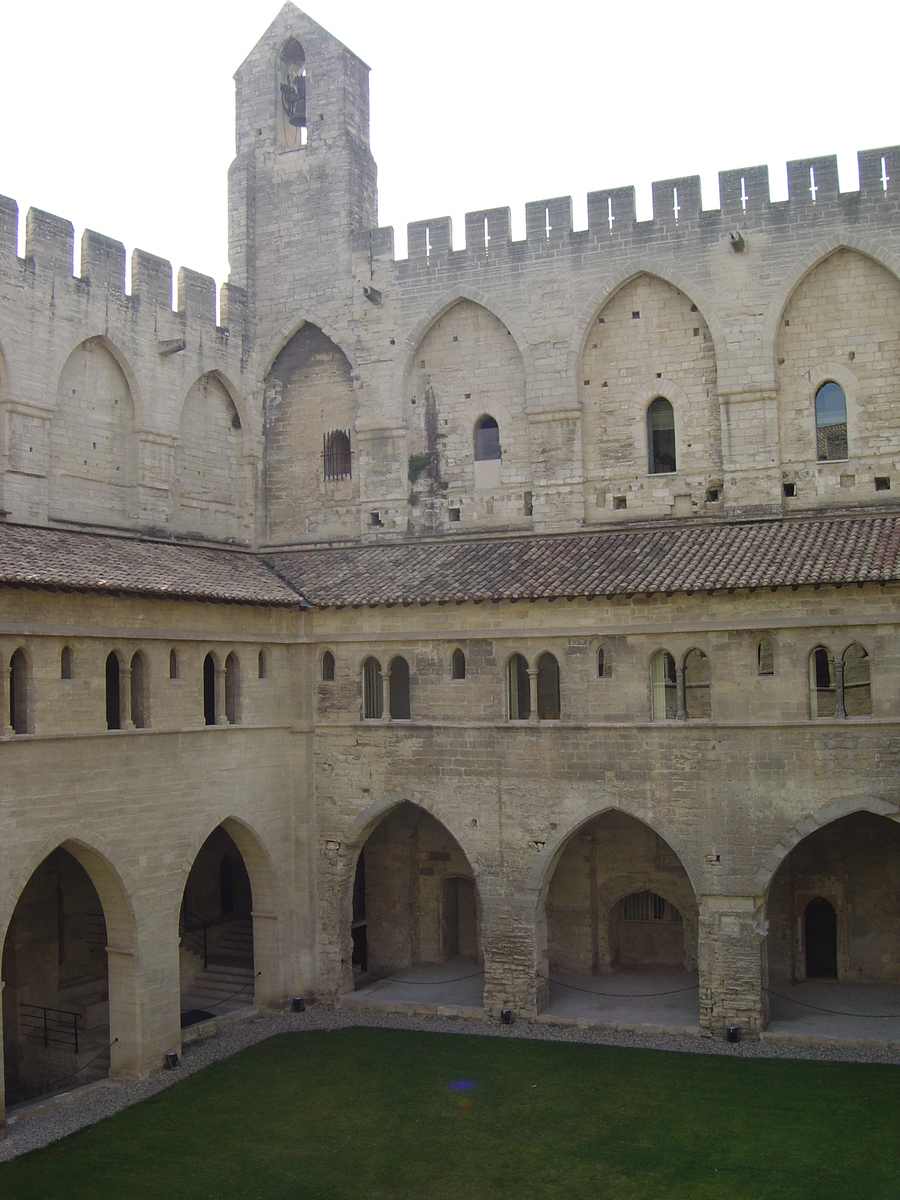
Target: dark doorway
820, 928
113, 701
209, 690
459, 919
226, 884
360, 956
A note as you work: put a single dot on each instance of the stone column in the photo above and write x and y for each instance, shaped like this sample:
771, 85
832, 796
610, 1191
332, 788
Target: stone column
839, 710
680, 710
508, 943
385, 695
125, 697
221, 718
5, 726
732, 963
267, 983
533, 692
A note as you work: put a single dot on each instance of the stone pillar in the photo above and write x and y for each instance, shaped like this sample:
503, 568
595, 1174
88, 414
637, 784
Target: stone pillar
508, 943
385, 695
533, 692
5, 726
732, 964
221, 718
839, 710
124, 1014
680, 709
125, 697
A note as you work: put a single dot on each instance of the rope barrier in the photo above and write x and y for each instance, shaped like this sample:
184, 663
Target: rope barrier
835, 1012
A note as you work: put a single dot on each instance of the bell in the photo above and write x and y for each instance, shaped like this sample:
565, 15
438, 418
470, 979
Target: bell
298, 103
298, 120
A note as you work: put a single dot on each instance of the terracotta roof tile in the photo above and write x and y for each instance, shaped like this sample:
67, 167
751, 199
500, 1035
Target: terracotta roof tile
670, 558
35, 557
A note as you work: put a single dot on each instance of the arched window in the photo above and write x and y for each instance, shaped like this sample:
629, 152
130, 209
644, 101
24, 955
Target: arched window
328, 667
765, 657
399, 689
232, 689
113, 693
661, 437
292, 126
18, 692
173, 664
487, 440
648, 906
457, 665
261, 664
519, 689
209, 690
373, 696
139, 705
697, 703
548, 688
65, 663
857, 682
604, 663
831, 422
336, 454
822, 686
663, 687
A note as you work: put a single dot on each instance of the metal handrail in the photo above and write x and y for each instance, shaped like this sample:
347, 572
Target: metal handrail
52, 1026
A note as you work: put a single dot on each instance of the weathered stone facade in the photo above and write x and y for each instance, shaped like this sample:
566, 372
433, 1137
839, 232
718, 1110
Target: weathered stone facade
496, 828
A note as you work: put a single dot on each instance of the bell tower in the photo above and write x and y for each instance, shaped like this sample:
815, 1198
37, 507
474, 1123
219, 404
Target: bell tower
303, 179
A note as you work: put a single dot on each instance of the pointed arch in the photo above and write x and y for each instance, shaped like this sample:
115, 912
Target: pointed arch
291, 328
614, 283
824, 249
810, 823
122, 361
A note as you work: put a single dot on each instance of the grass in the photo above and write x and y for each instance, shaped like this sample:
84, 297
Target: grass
369, 1114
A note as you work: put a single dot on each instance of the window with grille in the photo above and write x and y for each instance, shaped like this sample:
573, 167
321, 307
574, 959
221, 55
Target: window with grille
373, 699
336, 454
647, 906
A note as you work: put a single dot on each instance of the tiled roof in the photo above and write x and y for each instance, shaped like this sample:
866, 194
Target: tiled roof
669, 558
34, 557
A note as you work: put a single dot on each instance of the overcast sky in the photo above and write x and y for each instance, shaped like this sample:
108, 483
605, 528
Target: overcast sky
119, 116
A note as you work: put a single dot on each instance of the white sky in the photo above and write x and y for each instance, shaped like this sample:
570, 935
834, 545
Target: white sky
119, 116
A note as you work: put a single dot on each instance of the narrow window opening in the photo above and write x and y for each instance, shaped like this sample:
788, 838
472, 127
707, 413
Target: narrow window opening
232, 689
822, 684
373, 699
697, 697
663, 687
328, 667
661, 437
458, 665
547, 226
675, 205
399, 689
519, 689
18, 692
262, 665
209, 690
609, 213
487, 237
857, 682
336, 454
65, 663
528, 506
548, 688
765, 657
427, 242
885, 178
487, 440
113, 694
173, 664
604, 663
744, 196
812, 184
831, 423
138, 691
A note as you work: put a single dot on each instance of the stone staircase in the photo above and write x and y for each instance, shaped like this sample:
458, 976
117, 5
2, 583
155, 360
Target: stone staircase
227, 982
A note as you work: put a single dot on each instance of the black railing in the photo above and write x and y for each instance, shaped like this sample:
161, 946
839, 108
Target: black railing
195, 931
52, 1026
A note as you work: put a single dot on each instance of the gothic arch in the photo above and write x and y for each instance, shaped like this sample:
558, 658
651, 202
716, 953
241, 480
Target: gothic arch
809, 823
434, 313
824, 249
255, 847
137, 398
362, 825
614, 283
537, 882
300, 318
246, 438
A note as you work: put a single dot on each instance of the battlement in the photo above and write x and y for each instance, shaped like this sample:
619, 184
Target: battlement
745, 203
50, 255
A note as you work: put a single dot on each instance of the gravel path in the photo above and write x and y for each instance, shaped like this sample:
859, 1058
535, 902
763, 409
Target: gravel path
31, 1127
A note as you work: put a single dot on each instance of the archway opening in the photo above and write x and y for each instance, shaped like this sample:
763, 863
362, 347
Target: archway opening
415, 914
56, 996
622, 923
216, 932
833, 945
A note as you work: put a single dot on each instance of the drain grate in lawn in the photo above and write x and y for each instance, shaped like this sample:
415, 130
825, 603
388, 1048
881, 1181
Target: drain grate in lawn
385, 1115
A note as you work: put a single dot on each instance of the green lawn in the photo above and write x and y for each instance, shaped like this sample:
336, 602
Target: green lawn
368, 1113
